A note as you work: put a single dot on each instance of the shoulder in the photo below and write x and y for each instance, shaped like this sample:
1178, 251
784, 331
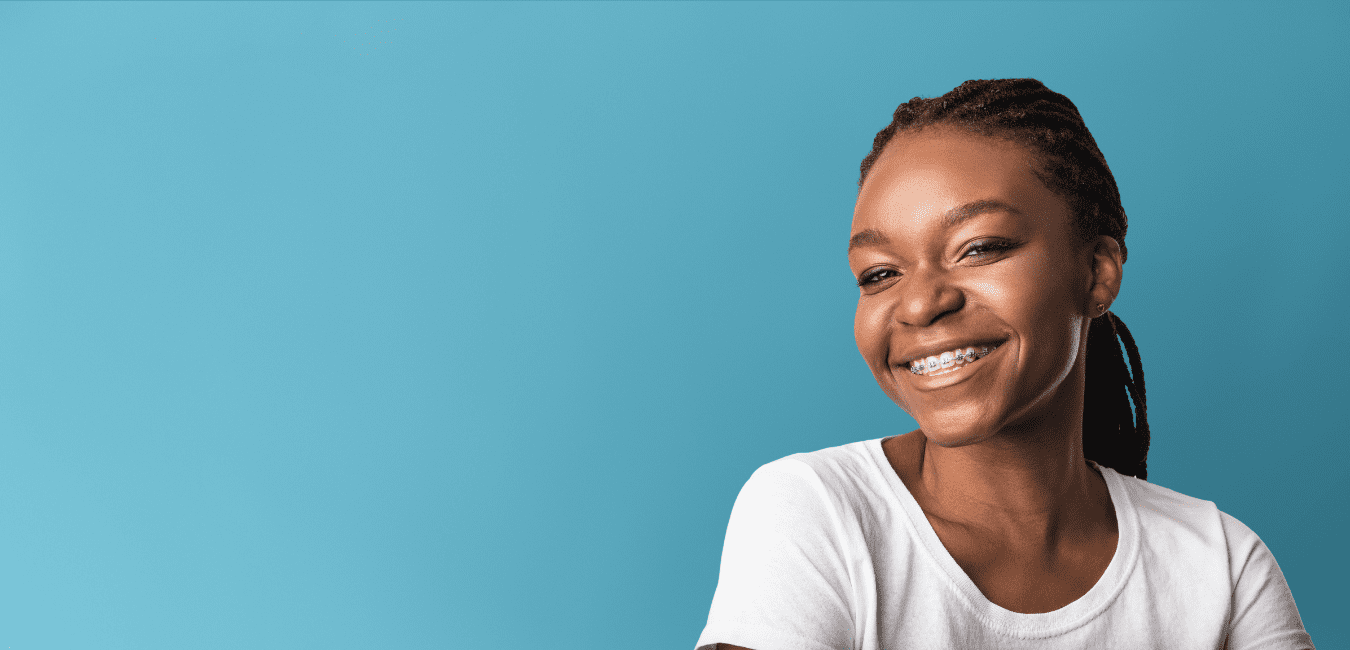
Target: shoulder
789, 563
843, 467
1162, 509
835, 478
821, 498
1183, 525
1208, 552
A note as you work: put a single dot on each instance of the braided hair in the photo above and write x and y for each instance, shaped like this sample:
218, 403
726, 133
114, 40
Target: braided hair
1047, 123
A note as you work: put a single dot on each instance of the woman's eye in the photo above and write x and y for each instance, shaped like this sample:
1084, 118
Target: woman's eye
875, 277
985, 248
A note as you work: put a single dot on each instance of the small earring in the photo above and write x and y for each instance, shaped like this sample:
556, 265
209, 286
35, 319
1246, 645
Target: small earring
1101, 309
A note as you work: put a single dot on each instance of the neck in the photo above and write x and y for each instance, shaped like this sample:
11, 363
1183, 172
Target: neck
1030, 482
1009, 482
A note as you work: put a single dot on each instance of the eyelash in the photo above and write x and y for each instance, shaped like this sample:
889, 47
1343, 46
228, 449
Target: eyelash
987, 247
868, 278
979, 249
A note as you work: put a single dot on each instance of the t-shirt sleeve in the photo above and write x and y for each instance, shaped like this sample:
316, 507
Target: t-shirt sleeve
1264, 615
784, 582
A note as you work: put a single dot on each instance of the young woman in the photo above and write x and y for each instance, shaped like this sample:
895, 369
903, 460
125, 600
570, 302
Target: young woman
988, 241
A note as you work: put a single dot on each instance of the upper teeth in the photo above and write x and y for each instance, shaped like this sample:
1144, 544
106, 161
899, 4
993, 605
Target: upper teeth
949, 359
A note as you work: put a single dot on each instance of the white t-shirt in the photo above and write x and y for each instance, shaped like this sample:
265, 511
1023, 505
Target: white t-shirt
830, 551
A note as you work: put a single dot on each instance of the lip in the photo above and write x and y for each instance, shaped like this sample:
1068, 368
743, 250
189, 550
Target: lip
934, 350
930, 382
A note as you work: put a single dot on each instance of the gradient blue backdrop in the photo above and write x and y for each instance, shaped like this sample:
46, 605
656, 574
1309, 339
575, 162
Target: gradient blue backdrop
461, 325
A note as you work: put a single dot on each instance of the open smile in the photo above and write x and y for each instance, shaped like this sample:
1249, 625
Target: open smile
950, 361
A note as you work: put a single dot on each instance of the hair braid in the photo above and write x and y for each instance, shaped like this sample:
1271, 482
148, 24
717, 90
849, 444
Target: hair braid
1072, 166
1113, 435
1134, 383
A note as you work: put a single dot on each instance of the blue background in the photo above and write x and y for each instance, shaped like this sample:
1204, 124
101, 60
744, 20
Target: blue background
461, 325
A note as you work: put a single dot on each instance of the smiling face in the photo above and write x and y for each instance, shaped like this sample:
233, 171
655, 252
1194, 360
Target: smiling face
957, 245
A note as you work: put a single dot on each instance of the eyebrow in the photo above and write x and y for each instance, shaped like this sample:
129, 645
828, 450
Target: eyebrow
950, 219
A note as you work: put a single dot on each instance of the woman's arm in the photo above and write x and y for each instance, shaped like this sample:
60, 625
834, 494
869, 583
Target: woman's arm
1264, 614
784, 579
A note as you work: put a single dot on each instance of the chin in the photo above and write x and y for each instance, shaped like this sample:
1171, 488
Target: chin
955, 436
958, 428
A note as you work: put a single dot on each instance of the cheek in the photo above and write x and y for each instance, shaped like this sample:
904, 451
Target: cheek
870, 331
1036, 287
1041, 295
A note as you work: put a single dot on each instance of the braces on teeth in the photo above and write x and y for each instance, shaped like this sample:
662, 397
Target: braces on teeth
949, 359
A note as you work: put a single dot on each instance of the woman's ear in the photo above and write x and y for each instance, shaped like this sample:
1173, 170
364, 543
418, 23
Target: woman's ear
1104, 275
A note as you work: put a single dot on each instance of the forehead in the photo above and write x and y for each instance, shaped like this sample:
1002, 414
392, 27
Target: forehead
922, 177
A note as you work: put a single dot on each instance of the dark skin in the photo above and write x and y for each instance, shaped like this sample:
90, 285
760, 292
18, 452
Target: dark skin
962, 245
997, 464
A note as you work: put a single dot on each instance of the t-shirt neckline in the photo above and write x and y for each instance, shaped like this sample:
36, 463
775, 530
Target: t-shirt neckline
1006, 621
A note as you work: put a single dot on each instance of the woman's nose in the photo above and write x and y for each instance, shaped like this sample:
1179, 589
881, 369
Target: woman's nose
925, 297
